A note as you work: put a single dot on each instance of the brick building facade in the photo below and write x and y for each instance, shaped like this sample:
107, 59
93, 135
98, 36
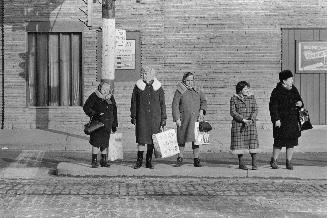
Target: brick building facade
222, 41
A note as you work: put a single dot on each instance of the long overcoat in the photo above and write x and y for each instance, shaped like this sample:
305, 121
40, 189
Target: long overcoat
149, 109
93, 107
244, 138
282, 106
186, 106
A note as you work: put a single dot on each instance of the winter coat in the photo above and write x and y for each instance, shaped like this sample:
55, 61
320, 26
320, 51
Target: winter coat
244, 138
93, 107
282, 107
149, 109
186, 106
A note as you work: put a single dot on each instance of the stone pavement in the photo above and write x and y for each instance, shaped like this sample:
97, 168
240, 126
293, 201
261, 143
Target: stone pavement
162, 197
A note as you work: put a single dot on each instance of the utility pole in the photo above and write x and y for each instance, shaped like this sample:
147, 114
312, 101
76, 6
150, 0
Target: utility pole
108, 41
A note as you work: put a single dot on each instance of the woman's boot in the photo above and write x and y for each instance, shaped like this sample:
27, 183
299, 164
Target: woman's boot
95, 161
179, 162
289, 165
273, 163
139, 160
103, 161
254, 162
241, 164
197, 162
148, 157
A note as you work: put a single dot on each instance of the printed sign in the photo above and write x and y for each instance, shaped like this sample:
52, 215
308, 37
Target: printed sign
312, 56
120, 39
125, 56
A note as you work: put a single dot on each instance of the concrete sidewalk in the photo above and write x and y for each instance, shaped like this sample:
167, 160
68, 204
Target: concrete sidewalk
314, 140
187, 170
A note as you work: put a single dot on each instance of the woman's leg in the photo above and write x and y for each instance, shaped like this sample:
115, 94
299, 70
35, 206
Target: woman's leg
140, 151
289, 155
95, 152
104, 157
196, 152
254, 161
179, 160
148, 156
241, 164
273, 161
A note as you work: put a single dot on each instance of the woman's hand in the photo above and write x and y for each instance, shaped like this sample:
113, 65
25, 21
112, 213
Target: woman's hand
247, 122
277, 123
298, 104
178, 122
201, 116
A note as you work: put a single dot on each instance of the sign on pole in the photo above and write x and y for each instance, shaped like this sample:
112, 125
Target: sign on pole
108, 49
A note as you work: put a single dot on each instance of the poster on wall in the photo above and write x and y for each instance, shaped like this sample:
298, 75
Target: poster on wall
125, 56
312, 56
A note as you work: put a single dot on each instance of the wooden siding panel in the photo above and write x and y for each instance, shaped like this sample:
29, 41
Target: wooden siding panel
76, 69
42, 69
65, 69
54, 69
32, 69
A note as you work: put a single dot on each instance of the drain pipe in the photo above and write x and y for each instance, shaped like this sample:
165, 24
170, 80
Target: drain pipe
3, 63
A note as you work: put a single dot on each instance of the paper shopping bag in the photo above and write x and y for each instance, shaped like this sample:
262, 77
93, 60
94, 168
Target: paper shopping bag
165, 144
115, 150
201, 138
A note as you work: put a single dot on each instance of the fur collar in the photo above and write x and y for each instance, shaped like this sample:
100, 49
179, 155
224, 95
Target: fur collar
155, 85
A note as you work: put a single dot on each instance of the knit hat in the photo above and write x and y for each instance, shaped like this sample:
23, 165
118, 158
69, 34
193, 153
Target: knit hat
284, 75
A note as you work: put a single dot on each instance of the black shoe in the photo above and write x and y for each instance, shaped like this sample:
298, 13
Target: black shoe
179, 162
103, 161
95, 163
242, 166
273, 163
289, 165
139, 160
197, 162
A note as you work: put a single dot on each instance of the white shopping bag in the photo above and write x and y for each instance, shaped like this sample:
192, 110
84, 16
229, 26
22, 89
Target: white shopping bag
115, 150
201, 138
165, 144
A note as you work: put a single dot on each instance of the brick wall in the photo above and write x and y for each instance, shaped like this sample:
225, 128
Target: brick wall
222, 41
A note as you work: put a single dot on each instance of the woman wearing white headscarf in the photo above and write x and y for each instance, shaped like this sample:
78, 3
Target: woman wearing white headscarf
148, 113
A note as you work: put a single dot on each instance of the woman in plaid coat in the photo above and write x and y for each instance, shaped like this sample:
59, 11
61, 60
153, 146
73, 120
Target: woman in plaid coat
244, 136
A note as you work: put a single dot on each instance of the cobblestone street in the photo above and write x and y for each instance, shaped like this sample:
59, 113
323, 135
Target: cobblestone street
162, 197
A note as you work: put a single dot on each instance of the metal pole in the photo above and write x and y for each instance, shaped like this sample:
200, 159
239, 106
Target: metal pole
108, 41
3, 63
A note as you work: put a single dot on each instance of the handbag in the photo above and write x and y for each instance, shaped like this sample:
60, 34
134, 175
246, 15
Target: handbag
92, 126
204, 126
201, 137
304, 119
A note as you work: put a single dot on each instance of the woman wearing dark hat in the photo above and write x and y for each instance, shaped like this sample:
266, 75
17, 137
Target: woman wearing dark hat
244, 136
284, 105
101, 105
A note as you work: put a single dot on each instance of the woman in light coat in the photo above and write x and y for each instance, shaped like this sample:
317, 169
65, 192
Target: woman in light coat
189, 105
244, 136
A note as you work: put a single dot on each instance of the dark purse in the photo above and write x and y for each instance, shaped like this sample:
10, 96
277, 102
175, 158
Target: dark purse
92, 126
304, 119
204, 126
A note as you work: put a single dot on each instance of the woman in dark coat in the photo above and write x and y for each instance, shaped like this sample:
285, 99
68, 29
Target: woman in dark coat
101, 105
148, 113
244, 136
284, 105
189, 105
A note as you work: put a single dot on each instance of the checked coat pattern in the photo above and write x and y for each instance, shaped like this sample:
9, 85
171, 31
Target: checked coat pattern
244, 139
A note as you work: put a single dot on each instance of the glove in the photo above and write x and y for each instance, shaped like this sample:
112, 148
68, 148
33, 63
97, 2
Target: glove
133, 121
114, 129
163, 123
